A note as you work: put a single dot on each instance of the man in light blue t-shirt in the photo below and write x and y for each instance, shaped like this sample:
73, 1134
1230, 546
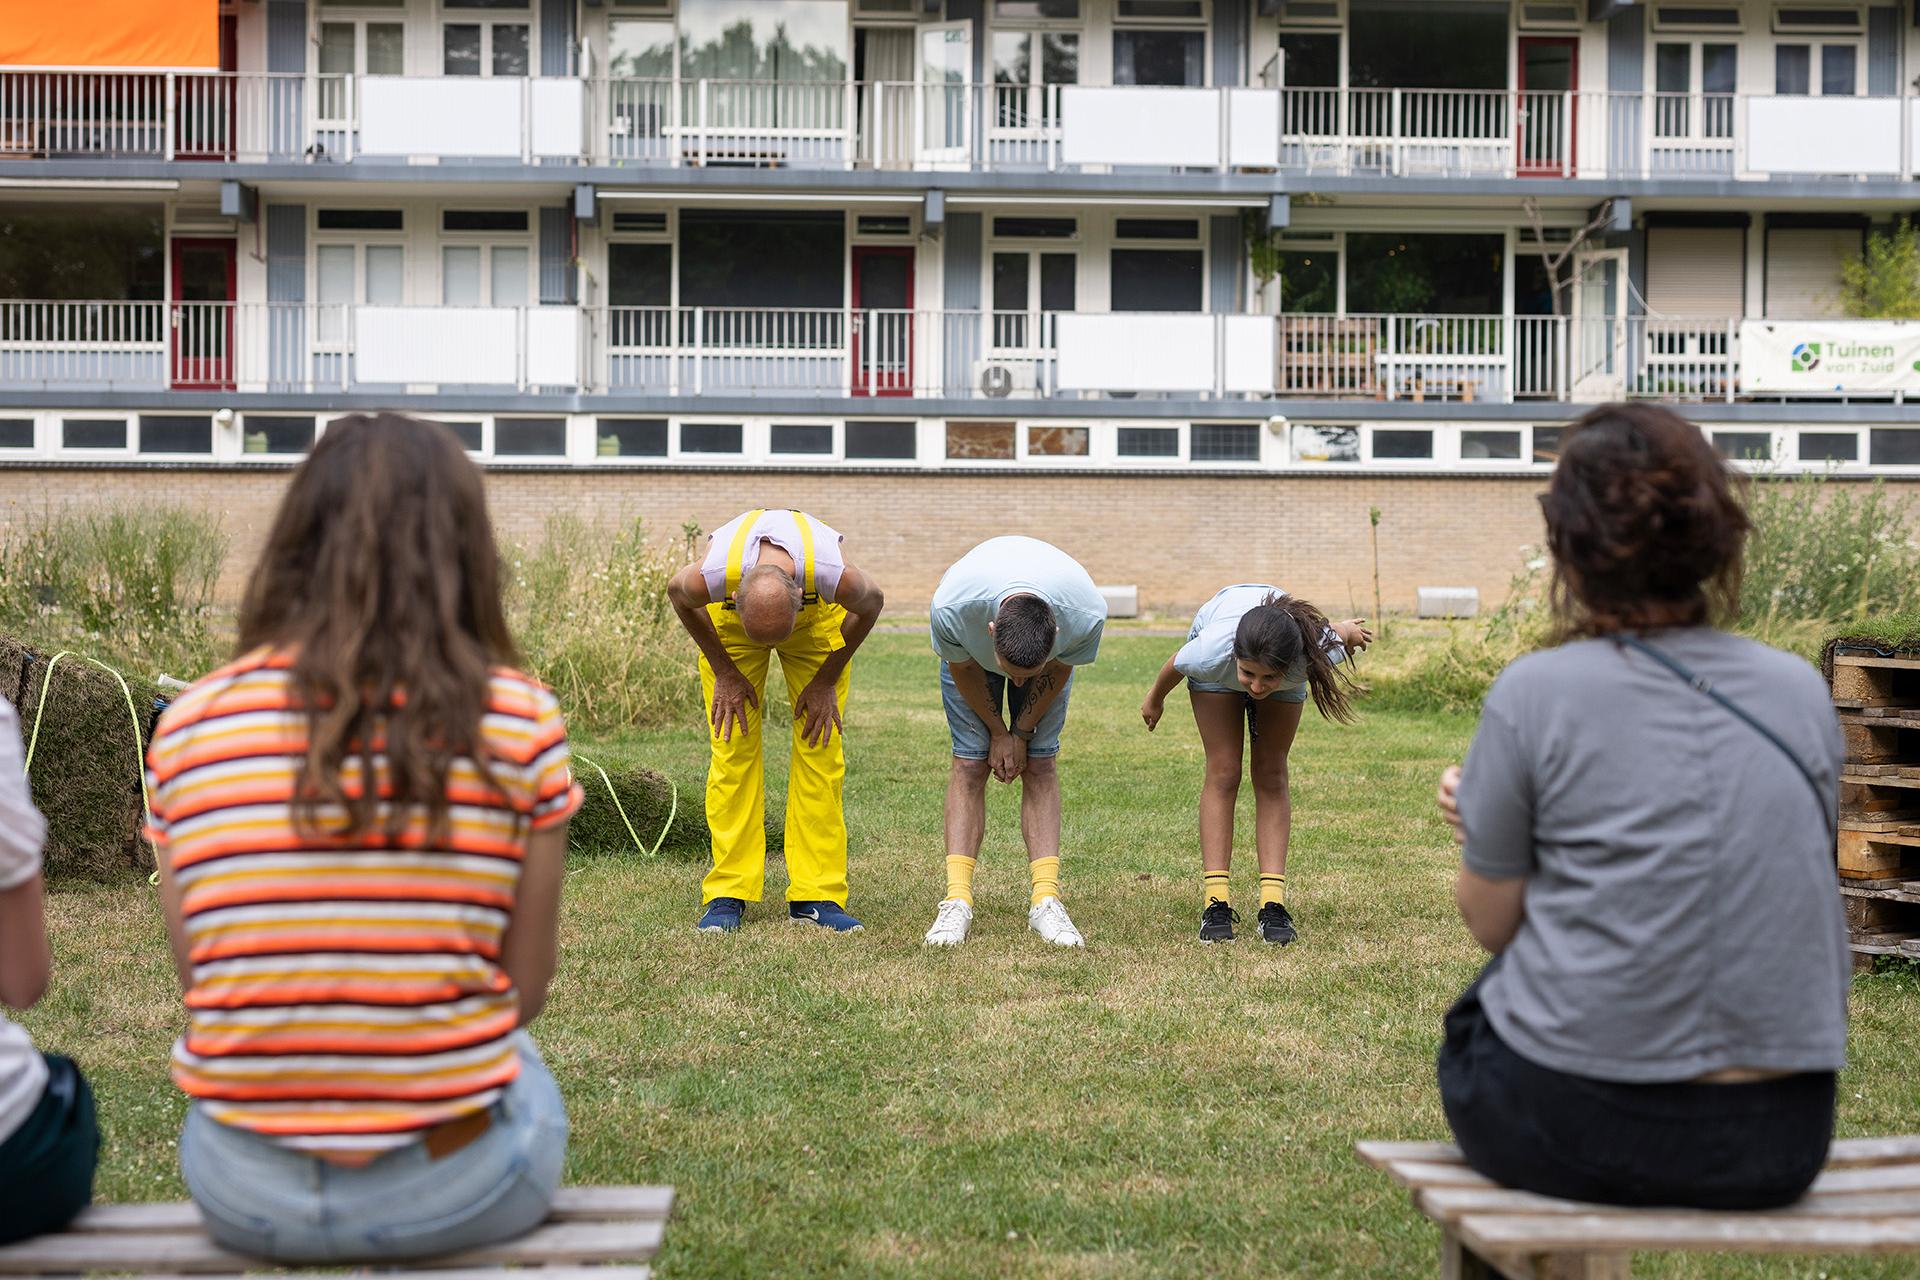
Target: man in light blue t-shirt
1011, 620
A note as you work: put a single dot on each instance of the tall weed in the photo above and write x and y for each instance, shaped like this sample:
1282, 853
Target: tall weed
133, 587
1457, 676
589, 607
1827, 553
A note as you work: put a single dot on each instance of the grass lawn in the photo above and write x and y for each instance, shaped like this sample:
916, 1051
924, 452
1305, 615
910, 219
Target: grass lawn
858, 1106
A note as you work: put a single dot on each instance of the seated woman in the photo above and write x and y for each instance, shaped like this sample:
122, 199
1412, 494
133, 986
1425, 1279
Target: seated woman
361, 825
1650, 861
49, 1140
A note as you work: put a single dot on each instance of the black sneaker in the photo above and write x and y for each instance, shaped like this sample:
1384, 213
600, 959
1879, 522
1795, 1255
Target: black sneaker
1217, 921
1276, 926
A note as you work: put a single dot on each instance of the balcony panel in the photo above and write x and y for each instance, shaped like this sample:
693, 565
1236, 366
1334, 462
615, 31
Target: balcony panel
1167, 352
1824, 136
449, 346
451, 116
559, 118
1173, 128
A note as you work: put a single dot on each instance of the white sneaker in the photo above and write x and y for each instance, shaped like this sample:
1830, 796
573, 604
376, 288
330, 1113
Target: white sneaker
950, 924
1050, 920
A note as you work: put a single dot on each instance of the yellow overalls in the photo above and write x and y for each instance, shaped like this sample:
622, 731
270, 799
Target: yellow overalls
816, 841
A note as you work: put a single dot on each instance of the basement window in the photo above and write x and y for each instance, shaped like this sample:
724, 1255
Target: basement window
1148, 442
1893, 447
1225, 442
93, 433
529, 437
710, 437
631, 438
1829, 446
882, 440
1400, 444
16, 433
1744, 446
264, 434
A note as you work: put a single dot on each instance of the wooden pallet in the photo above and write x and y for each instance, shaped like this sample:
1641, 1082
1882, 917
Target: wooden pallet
594, 1233
1866, 1202
1877, 851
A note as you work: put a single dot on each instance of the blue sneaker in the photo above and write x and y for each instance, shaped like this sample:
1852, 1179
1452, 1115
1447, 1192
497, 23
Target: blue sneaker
721, 916
828, 915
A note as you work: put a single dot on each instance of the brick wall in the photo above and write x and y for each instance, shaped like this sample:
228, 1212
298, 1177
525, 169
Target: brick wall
1178, 538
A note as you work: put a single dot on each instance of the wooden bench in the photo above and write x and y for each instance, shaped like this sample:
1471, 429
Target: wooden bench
1867, 1201
594, 1233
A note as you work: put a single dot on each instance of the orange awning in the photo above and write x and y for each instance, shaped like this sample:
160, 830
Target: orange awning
135, 34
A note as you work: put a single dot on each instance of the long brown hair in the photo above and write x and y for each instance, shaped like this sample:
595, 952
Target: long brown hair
1645, 523
1278, 632
381, 580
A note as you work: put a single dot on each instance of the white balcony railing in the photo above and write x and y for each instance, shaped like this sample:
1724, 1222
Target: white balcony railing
856, 352
1403, 132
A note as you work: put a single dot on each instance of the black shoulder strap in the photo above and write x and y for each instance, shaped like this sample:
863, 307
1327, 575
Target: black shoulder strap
1705, 686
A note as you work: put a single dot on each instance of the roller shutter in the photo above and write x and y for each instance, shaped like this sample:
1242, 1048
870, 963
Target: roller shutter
1696, 271
1803, 270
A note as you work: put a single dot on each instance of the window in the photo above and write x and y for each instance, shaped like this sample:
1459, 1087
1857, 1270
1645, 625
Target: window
467, 433
1680, 66
270, 434
882, 440
529, 437
1160, 57
160, 434
1050, 10
710, 437
1148, 442
1549, 15
1683, 17
884, 8
1744, 446
1398, 444
1225, 442
883, 224
1057, 442
494, 273
16, 433
1158, 280
1019, 97
87, 253
1425, 273
346, 274
1893, 447
1490, 446
640, 222
727, 258
351, 47
485, 220
1390, 44
804, 438
1546, 444
1309, 281
1315, 443
1035, 228
1310, 12
976, 441
640, 291
1162, 10
1157, 229
795, 41
1824, 446
631, 438
490, 47
93, 433
1029, 288
1839, 69
360, 220
1835, 18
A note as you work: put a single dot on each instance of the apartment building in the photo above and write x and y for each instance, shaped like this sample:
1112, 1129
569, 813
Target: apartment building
1185, 285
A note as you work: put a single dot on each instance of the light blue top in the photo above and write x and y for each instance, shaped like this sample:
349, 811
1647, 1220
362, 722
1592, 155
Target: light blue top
1207, 656
970, 593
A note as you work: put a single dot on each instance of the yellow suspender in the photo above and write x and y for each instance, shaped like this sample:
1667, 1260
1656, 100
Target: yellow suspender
807, 593
738, 551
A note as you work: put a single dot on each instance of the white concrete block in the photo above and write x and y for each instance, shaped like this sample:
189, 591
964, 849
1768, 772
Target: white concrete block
1449, 602
1122, 602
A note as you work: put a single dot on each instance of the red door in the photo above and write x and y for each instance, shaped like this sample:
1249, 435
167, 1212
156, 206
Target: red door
200, 317
205, 108
882, 342
1549, 106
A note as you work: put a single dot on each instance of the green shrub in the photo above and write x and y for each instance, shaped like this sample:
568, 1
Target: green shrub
589, 607
1457, 676
1828, 553
131, 587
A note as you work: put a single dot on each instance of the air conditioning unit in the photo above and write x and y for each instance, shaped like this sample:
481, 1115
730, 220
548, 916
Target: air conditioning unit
998, 379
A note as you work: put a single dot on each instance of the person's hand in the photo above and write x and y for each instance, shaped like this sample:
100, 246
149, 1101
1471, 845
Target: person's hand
1151, 710
818, 711
1007, 756
732, 695
1354, 634
1449, 799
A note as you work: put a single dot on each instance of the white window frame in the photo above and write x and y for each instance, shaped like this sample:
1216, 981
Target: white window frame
1106, 443
986, 414
491, 438
921, 429
1291, 20
1858, 462
37, 428
595, 458
1201, 241
359, 242
276, 459
1040, 122
1457, 443
1816, 47
1700, 104
1290, 460
1779, 444
1739, 23
1033, 246
1202, 24
129, 444
486, 242
1523, 23
527, 16
835, 454
1434, 456
1262, 460
747, 438
1023, 429
357, 17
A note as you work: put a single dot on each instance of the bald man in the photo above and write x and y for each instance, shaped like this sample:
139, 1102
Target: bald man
775, 581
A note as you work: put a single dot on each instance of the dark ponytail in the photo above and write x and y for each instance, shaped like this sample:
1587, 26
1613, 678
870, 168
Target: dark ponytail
1278, 632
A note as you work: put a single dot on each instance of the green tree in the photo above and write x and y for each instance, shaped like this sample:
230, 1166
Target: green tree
1884, 282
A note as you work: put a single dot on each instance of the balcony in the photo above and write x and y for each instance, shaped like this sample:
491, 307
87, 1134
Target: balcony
1345, 133
827, 354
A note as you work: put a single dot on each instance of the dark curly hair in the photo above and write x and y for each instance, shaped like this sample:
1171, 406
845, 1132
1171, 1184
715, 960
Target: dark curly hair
1645, 523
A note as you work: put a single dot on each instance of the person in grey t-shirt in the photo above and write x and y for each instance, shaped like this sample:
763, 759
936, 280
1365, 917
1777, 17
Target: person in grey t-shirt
1665, 1010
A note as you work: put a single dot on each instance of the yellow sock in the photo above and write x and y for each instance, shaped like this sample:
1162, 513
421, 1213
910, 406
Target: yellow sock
1272, 889
1046, 878
960, 878
1216, 886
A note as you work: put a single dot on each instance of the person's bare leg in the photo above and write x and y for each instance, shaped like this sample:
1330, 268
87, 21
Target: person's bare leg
1272, 798
1040, 808
966, 812
1219, 717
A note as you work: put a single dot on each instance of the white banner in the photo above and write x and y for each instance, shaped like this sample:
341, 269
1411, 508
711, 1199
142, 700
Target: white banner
1830, 356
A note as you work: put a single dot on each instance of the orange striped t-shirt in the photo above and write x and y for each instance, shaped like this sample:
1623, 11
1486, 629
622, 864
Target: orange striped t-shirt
347, 996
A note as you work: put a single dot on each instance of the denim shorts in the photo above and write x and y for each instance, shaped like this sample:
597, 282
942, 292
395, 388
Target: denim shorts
971, 739
1296, 693
259, 1198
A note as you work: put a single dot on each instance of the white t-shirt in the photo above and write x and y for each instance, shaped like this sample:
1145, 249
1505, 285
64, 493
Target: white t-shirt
780, 528
970, 593
1207, 656
23, 1072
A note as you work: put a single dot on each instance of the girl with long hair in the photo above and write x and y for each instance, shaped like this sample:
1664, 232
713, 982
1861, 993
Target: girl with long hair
361, 831
1254, 653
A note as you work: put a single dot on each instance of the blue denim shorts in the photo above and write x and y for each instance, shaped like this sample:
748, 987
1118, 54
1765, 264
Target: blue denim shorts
969, 733
1297, 693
